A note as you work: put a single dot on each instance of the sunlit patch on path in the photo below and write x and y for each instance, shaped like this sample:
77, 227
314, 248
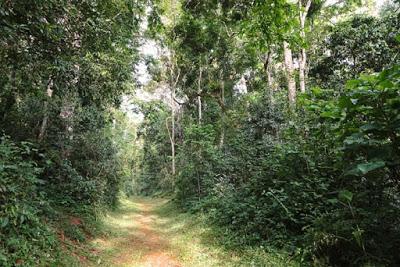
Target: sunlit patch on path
148, 232
135, 241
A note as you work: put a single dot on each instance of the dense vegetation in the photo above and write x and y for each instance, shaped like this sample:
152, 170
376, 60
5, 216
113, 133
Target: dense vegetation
280, 120
64, 67
314, 172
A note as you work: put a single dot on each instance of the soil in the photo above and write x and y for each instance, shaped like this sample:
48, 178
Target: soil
144, 245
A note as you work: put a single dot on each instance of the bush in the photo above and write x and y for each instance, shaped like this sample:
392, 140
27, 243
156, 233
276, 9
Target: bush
24, 237
326, 188
363, 225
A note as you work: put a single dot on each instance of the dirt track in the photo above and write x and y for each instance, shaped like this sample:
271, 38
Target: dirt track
139, 242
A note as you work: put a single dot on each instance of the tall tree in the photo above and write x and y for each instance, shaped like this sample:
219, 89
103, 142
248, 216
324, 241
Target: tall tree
303, 12
289, 70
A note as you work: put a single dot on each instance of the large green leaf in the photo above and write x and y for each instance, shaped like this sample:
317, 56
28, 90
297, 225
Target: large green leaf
370, 166
364, 168
346, 195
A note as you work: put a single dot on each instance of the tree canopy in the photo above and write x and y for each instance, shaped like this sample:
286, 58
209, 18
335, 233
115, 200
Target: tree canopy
277, 120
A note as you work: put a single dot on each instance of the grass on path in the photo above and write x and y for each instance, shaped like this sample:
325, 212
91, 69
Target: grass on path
154, 232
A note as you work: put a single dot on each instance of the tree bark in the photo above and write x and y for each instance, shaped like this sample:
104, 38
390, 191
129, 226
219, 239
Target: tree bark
303, 11
67, 115
302, 70
199, 104
173, 130
268, 71
43, 127
173, 83
222, 136
172, 141
291, 82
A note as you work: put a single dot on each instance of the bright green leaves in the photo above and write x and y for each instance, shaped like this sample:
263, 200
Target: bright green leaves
345, 196
269, 22
363, 122
397, 38
371, 108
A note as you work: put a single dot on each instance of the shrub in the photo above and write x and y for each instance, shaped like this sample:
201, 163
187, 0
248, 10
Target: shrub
24, 237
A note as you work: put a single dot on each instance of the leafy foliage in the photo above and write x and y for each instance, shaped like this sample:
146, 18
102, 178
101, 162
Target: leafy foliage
317, 178
361, 44
24, 237
64, 67
329, 185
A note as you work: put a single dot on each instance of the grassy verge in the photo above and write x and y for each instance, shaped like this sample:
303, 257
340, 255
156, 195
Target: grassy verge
74, 230
143, 227
198, 244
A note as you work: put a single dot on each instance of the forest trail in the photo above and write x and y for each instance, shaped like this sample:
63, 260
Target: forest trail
153, 232
137, 238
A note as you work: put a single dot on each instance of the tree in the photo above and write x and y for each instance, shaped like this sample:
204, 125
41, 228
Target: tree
303, 12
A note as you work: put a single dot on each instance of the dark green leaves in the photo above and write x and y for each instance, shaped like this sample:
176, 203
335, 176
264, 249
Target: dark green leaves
365, 168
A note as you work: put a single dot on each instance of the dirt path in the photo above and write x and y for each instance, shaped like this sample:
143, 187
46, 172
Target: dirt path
136, 240
146, 232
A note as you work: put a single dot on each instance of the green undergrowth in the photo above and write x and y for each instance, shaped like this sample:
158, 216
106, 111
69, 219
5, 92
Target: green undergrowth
39, 226
75, 229
201, 244
187, 238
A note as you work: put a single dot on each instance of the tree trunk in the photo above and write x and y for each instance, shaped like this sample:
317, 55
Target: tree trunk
289, 72
222, 136
302, 70
199, 97
172, 142
173, 81
173, 129
303, 11
67, 115
270, 78
43, 127
268, 71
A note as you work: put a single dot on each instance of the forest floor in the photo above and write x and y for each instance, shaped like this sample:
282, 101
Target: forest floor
152, 232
